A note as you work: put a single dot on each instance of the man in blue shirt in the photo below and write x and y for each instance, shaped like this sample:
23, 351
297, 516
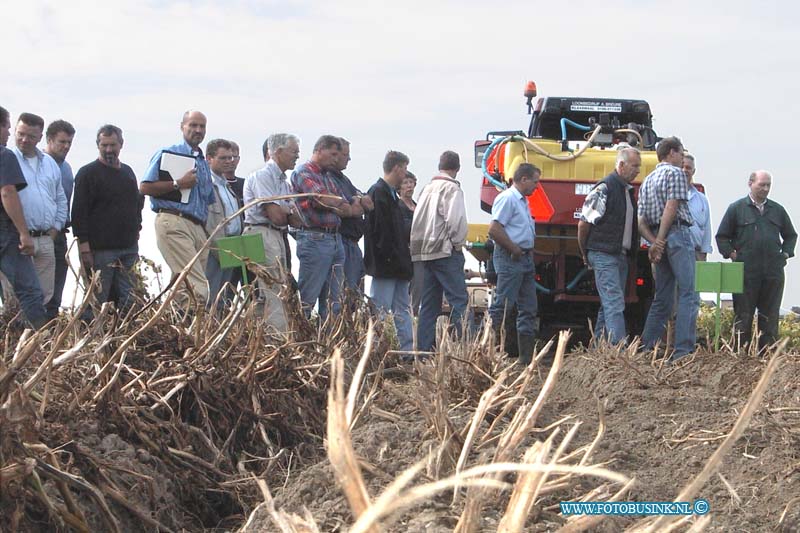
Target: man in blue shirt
43, 199
16, 243
513, 231
700, 211
180, 231
59, 137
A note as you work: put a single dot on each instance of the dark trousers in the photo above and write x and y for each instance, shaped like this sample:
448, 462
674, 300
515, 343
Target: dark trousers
764, 295
60, 250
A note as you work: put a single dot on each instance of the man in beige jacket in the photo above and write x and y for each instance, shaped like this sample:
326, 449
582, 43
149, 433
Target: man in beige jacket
438, 232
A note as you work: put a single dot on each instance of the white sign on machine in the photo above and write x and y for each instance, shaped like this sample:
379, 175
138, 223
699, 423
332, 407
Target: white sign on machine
598, 107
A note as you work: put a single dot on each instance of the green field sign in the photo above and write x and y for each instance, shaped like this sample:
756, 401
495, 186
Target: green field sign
719, 278
237, 251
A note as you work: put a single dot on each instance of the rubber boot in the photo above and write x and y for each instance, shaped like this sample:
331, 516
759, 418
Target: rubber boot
525, 344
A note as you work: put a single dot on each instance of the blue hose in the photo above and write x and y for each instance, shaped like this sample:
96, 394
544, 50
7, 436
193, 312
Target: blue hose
491, 179
565, 121
570, 286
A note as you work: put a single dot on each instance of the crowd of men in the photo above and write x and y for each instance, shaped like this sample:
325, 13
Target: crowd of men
412, 250
675, 219
319, 205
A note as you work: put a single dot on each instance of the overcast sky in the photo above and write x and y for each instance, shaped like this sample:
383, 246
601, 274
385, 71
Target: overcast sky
419, 77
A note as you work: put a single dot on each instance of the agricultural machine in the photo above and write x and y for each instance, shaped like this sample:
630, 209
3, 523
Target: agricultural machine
574, 142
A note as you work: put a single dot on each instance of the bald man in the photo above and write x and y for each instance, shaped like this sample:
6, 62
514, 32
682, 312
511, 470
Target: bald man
759, 233
608, 238
180, 227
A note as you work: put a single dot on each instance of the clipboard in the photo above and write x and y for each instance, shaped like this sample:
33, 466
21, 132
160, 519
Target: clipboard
173, 166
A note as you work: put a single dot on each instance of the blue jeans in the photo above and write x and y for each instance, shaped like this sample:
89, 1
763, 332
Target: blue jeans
21, 276
353, 265
353, 271
392, 295
675, 268
516, 286
60, 279
116, 279
442, 276
321, 257
610, 275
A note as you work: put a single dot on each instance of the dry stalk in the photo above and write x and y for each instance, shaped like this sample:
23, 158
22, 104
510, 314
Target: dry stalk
786, 510
340, 447
481, 476
716, 458
486, 402
583, 523
80, 483
358, 377
524, 494
522, 423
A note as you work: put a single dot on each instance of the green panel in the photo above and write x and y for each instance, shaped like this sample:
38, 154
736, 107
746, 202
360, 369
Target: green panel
231, 249
732, 278
708, 277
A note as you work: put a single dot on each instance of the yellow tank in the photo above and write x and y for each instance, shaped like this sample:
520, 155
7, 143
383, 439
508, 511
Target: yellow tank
593, 165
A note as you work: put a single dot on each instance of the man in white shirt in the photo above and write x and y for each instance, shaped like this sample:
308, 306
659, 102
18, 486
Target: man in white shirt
271, 219
438, 233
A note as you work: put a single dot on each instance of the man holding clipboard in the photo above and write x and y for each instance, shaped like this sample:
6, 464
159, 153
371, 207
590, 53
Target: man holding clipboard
178, 182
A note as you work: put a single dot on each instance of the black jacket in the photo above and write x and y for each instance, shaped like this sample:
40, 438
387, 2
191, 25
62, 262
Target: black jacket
760, 240
606, 234
386, 251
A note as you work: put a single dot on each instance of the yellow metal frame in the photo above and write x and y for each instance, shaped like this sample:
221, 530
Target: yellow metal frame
593, 165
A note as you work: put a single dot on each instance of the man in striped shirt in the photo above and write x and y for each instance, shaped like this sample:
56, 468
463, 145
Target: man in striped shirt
665, 221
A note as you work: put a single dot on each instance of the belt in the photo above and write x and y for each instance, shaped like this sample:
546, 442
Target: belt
38, 233
268, 225
181, 214
330, 231
678, 222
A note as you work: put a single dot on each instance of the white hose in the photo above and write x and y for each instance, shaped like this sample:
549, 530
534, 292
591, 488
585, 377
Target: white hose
541, 151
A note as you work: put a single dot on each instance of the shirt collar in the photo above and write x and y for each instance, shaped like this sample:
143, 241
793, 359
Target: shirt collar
272, 166
314, 167
37, 153
446, 177
619, 178
219, 180
196, 152
516, 193
753, 201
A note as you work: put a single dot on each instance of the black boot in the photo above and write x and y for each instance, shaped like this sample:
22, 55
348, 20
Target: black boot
525, 344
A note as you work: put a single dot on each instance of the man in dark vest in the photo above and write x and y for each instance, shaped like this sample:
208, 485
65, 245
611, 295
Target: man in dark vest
758, 232
607, 235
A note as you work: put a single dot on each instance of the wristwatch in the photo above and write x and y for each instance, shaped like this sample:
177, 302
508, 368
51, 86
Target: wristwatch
175, 185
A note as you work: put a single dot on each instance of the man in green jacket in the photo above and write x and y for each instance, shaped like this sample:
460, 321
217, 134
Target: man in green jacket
758, 232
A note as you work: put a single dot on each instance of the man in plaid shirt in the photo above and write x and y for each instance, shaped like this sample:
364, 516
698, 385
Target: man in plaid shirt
664, 220
319, 244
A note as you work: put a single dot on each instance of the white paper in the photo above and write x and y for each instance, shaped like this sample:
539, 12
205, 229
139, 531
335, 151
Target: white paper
178, 165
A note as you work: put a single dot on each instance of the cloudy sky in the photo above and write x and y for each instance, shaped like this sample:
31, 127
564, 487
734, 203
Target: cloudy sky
419, 77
